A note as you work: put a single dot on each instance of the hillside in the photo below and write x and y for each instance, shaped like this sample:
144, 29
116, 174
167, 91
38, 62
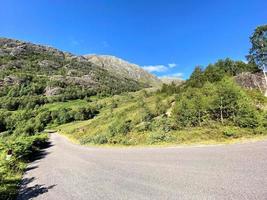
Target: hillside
187, 115
57, 72
122, 68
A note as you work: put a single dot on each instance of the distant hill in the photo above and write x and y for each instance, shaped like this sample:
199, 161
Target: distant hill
57, 72
123, 68
176, 81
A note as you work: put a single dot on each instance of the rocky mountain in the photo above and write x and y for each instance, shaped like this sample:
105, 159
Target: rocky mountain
55, 72
124, 69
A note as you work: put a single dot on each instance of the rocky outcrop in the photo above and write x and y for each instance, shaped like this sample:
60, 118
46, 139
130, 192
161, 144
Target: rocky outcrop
252, 81
51, 91
48, 64
12, 80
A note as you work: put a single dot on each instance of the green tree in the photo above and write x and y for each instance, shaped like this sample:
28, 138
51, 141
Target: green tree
226, 103
213, 73
258, 51
196, 79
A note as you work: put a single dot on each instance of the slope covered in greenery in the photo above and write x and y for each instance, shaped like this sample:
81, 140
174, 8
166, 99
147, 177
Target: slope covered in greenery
212, 111
33, 70
33, 77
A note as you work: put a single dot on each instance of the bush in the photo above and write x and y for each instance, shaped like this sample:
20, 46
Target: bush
125, 127
229, 133
158, 137
100, 139
120, 127
248, 117
23, 146
11, 170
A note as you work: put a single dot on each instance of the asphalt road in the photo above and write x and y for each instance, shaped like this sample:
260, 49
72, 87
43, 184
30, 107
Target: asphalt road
68, 171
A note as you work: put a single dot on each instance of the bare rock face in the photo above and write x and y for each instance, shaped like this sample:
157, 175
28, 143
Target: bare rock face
124, 69
51, 91
252, 81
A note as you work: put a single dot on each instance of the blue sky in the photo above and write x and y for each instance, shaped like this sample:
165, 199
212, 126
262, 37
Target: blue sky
167, 37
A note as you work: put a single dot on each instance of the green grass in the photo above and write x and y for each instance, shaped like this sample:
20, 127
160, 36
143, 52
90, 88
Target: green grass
69, 104
11, 170
156, 131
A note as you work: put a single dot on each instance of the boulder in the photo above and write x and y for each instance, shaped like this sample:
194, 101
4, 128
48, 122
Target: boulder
48, 64
12, 80
51, 91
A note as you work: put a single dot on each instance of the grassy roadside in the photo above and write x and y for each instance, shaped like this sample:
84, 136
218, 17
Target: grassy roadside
11, 169
186, 137
143, 118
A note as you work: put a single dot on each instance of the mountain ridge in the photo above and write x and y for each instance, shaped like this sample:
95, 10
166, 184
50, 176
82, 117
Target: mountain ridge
61, 69
123, 68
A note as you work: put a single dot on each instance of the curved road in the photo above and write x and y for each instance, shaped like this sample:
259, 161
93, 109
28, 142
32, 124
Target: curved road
68, 171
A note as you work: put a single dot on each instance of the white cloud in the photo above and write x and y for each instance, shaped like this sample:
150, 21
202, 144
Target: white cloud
155, 68
172, 65
173, 76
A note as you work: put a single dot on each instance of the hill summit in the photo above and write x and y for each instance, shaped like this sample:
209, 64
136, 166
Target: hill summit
123, 68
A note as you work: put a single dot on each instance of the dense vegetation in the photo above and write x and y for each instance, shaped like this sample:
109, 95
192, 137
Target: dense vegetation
213, 111
32, 76
44, 88
22, 135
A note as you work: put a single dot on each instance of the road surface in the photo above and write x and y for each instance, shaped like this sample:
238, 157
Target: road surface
68, 171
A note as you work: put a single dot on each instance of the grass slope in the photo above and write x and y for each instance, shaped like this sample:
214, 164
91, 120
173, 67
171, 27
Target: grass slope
135, 119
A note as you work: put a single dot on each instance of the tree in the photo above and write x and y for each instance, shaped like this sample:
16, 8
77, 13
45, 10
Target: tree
192, 107
213, 73
258, 51
196, 79
226, 103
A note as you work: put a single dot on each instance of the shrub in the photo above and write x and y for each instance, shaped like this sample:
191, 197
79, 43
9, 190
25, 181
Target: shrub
100, 139
158, 137
248, 117
229, 133
125, 127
